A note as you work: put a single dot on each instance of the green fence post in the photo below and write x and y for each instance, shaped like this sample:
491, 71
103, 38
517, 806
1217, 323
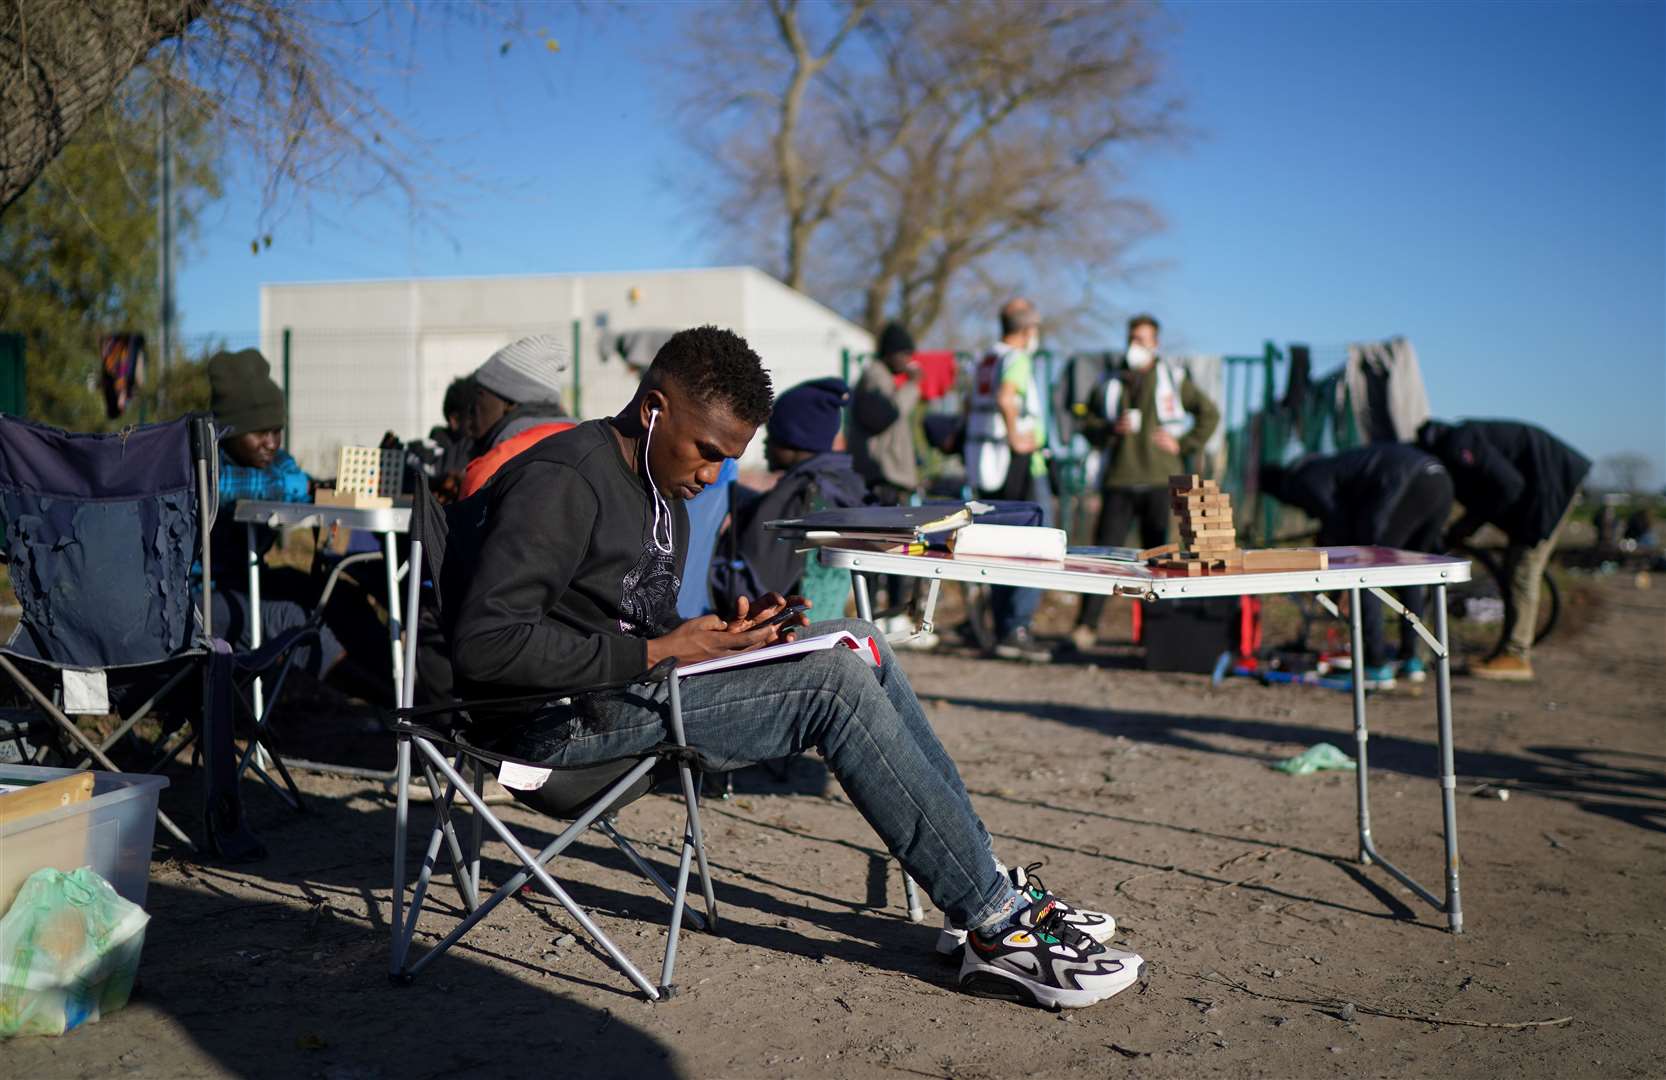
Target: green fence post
286, 337
578, 399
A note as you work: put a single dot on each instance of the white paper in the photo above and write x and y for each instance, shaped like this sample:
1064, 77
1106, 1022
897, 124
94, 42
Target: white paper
86, 692
864, 647
522, 777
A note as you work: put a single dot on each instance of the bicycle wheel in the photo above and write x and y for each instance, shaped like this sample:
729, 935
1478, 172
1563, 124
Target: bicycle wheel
1477, 610
1481, 612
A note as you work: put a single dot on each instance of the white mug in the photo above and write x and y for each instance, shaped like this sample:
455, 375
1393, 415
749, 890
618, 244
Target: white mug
1133, 416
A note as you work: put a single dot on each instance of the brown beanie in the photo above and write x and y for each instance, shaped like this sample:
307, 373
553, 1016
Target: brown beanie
242, 394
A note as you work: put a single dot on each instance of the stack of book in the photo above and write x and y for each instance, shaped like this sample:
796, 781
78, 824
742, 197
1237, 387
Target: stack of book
904, 525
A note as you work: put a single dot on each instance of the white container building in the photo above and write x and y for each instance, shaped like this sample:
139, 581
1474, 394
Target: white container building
368, 357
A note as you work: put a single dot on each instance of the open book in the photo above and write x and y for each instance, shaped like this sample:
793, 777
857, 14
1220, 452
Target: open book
865, 648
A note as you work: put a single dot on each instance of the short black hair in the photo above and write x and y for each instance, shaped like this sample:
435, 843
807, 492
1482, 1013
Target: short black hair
459, 397
1143, 319
719, 368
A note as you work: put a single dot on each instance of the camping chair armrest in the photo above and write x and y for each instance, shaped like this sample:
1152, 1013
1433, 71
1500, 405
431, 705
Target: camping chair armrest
659, 673
335, 575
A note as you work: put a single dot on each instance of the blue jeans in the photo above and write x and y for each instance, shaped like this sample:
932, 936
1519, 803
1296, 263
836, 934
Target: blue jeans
868, 726
1012, 607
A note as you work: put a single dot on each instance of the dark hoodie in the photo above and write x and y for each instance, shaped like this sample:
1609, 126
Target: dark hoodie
1519, 477
552, 577
1353, 494
762, 563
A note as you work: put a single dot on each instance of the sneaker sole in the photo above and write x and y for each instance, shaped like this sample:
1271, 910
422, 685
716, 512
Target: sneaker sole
992, 983
1498, 676
1006, 652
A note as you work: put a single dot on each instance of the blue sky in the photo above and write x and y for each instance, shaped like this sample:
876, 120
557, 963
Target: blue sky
1487, 179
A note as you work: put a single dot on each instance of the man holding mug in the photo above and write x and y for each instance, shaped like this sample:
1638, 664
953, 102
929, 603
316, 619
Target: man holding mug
1157, 417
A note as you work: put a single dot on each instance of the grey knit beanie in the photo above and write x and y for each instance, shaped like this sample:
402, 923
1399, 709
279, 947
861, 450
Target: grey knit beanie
528, 370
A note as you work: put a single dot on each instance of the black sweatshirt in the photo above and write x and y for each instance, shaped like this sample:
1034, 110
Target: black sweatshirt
552, 580
1514, 475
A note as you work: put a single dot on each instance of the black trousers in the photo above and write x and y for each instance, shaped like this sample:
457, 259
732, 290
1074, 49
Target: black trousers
1416, 523
1119, 509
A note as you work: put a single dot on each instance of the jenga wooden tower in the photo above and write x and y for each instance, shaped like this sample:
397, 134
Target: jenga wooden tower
1207, 539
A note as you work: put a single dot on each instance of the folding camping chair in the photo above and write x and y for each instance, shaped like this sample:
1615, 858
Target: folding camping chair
588, 796
101, 533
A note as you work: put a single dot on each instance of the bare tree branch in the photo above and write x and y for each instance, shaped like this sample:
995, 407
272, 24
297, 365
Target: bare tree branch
929, 148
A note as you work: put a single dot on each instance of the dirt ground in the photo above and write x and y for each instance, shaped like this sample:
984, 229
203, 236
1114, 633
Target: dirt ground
1147, 794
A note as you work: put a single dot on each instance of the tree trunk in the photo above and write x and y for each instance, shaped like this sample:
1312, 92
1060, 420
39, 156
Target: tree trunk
64, 59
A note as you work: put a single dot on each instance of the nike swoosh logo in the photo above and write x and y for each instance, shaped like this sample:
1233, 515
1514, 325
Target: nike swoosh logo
1025, 963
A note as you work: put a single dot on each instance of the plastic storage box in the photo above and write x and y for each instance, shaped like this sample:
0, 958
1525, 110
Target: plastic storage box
110, 832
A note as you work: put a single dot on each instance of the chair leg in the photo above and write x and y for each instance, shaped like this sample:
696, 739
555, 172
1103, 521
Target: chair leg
692, 801
643, 867
401, 933
679, 904
442, 822
81, 737
474, 837
534, 865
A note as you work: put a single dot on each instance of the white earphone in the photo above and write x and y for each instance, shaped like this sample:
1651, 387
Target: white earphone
662, 509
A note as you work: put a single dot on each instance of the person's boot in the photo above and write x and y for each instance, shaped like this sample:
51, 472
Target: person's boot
1503, 668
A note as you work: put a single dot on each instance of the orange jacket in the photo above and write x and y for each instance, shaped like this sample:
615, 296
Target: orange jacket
484, 467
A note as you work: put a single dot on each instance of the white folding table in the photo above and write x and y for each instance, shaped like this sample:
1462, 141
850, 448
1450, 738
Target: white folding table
389, 522
1354, 570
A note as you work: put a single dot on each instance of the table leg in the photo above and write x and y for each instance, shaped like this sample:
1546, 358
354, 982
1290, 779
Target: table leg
390, 562
1368, 853
253, 567
1362, 736
1448, 771
864, 606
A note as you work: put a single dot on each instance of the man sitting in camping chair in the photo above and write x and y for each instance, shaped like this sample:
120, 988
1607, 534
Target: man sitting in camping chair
570, 566
351, 646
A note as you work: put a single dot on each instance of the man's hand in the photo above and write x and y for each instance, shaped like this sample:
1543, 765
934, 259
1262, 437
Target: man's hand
749, 613
1165, 442
1022, 442
1124, 425
705, 638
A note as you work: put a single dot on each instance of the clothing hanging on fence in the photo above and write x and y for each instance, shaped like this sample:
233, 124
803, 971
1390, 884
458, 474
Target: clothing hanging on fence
1386, 385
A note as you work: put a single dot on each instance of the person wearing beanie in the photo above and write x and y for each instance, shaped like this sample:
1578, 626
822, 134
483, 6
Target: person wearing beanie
882, 428
882, 447
798, 444
249, 410
517, 403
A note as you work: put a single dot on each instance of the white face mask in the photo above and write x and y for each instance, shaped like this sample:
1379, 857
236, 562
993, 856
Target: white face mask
1140, 357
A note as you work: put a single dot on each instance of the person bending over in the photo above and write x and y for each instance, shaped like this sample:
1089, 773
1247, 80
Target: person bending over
1388, 494
567, 568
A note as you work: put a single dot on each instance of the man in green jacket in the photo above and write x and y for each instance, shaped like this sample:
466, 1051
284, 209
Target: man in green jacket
1156, 418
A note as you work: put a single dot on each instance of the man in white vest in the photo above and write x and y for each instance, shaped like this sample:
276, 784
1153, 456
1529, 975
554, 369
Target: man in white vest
1157, 419
1006, 456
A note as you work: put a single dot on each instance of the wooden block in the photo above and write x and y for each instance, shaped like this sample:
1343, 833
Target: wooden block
1286, 559
1158, 552
353, 500
1208, 529
39, 798
1216, 510
1191, 501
